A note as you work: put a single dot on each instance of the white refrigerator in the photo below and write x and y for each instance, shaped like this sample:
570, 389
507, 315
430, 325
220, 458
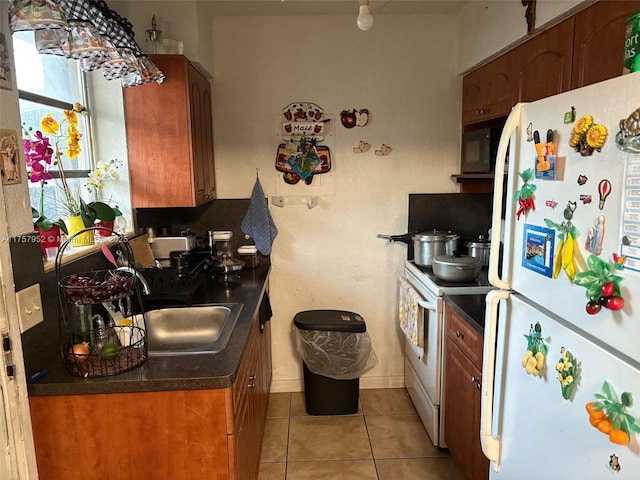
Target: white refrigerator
569, 288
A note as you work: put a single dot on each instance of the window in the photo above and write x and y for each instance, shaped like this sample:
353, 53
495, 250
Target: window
51, 84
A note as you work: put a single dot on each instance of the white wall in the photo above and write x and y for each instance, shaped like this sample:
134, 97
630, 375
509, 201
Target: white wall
403, 71
488, 26
16, 196
187, 21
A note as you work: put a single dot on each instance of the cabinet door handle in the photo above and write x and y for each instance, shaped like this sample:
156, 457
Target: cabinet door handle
479, 385
253, 382
473, 379
459, 334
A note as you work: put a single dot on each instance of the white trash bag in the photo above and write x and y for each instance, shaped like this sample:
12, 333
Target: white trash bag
337, 355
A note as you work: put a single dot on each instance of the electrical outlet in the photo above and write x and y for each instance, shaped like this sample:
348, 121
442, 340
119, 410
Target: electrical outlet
29, 307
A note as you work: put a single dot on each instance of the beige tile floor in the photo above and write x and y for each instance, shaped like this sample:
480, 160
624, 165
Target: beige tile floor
384, 440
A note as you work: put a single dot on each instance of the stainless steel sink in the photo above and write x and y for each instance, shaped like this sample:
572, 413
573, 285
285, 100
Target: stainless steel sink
190, 330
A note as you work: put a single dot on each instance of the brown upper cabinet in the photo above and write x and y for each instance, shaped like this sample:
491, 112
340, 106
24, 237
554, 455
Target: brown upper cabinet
170, 137
583, 49
491, 91
544, 63
598, 43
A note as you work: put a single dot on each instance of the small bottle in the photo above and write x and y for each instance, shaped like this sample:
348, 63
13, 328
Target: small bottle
99, 333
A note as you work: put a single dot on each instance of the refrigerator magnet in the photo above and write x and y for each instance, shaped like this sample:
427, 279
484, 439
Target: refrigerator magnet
595, 236
608, 413
586, 199
534, 359
566, 368
602, 284
614, 463
604, 190
587, 136
567, 253
539, 246
525, 197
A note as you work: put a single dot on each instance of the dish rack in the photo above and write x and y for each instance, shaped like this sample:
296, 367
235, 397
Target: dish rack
98, 335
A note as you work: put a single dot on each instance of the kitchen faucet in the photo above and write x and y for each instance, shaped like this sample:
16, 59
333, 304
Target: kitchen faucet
145, 286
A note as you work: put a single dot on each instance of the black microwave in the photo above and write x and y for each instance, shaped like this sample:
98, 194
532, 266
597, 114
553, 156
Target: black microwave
479, 149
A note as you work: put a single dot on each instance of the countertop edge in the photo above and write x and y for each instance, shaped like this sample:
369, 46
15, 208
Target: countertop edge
470, 308
174, 373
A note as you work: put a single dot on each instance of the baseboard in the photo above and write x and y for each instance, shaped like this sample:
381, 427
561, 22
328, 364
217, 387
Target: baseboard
296, 385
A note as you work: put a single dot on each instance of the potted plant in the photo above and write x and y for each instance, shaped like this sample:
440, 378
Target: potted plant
43, 151
99, 212
38, 157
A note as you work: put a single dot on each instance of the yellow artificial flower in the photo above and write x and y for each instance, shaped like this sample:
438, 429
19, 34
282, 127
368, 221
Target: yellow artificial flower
72, 118
596, 136
50, 125
583, 124
574, 140
568, 366
73, 151
560, 366
569, 379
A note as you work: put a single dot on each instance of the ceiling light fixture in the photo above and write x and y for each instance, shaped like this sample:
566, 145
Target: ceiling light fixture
365, 19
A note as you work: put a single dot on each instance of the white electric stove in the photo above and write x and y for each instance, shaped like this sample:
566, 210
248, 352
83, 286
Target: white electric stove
424, 376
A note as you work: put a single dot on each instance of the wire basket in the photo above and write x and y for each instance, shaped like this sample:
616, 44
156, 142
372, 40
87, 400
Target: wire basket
98, 286
91, 343
111, 359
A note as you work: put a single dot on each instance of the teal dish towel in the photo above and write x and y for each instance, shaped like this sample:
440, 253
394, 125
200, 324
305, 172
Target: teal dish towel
257, 222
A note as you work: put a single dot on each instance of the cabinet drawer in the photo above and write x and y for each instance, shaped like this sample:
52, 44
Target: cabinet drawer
465, 337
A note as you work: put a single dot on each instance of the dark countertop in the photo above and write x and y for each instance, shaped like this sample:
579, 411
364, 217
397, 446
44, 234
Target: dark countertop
187, 372
470, 307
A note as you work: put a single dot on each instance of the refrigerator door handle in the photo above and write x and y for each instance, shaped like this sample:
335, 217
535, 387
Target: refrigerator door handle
512, 123
490, 444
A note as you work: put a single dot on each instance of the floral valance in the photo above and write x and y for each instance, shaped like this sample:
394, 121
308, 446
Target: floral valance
88, 31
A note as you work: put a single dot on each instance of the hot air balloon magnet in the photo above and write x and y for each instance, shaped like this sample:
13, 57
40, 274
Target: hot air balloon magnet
604, 190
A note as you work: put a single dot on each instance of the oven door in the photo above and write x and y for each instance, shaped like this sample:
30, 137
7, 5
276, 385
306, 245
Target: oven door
423, 376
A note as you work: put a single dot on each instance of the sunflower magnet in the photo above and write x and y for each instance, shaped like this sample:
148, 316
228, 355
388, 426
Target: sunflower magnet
587, 136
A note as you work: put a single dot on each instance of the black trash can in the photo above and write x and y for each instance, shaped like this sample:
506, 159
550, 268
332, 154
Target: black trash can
324, 395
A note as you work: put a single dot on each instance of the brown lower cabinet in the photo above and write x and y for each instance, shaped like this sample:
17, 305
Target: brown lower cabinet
182, 434
463, 367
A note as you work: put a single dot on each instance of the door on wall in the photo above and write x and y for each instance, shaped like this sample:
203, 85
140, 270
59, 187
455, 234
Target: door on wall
9, 417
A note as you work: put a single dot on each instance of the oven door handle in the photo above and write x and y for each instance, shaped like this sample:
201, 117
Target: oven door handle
427, 305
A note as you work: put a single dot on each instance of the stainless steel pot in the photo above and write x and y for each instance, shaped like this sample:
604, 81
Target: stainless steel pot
479, 248
456, 268
428, 245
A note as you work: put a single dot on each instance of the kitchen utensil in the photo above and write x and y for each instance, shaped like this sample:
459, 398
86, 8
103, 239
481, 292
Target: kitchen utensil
456, 268
479, 248
249, 255
427, 245
224, 243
